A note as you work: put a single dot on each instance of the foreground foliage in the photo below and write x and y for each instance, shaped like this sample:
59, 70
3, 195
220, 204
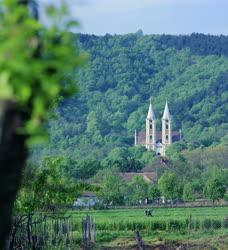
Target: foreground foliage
35, 61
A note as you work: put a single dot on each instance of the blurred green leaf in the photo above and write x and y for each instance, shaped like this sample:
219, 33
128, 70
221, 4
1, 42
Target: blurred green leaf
6, 91
34, 60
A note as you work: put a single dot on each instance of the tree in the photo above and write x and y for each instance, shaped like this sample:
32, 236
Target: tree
138, 188
148, 157
35, 65
81, 169
197, 185
188, 192
126, 159
112, 187
170, 186
174, 151
44, 190
45, 187
214, 188
153, 193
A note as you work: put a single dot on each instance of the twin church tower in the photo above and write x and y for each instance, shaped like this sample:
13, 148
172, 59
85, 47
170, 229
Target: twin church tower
154, 140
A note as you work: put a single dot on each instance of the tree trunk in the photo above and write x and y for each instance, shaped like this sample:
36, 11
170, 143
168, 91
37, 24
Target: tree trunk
13, 155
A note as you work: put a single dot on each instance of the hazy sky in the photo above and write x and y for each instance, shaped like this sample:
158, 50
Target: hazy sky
152, 16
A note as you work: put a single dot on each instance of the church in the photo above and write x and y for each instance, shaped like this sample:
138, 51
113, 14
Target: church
156, 140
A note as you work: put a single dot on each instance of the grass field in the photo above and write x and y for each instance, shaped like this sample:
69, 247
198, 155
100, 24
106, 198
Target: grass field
117, 227
199, 212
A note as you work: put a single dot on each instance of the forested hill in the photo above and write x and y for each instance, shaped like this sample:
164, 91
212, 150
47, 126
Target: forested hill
123, 72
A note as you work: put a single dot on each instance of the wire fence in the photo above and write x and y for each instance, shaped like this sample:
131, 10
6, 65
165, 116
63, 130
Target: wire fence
40, 231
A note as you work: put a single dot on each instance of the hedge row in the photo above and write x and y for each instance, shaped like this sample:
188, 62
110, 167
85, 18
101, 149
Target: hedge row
150, 224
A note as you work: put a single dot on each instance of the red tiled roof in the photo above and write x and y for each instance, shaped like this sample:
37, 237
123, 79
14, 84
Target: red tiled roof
148, 176
141, 137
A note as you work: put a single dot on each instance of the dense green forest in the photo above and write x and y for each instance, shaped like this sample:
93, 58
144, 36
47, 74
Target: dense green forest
115, 86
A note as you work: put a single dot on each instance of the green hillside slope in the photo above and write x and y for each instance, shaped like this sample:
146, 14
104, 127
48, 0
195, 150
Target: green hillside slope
123, 72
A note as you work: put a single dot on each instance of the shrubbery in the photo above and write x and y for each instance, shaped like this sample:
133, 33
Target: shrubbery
158, 225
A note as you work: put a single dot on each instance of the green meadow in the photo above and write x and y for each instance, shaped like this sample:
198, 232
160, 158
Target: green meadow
158, 213
117, 227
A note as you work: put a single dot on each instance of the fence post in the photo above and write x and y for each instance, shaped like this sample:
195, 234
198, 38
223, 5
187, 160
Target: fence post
139, 240
88, 227
92, 229
189, 229
88, 231
83, 230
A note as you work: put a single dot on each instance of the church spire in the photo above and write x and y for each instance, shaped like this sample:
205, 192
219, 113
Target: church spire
166, 128
166, 114
150, 129
150, 114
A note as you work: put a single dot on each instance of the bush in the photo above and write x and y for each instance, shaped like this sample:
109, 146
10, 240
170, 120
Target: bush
103, 236
176, 225
225, 222
206, 224
216, 224
157, 225
196, 224
122, 225
76, 225
225, 197
189, 223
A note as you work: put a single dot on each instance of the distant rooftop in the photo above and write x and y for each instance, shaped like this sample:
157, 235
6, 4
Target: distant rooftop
147, 176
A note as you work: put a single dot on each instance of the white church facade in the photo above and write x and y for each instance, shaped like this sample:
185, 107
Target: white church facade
156, 140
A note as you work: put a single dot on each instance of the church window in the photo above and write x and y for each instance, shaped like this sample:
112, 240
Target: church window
151, 126
167, 126
151, 137
167, 137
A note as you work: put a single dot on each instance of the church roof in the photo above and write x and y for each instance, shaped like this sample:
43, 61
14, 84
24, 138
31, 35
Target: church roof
159, 144
150, 115
166, 114
141, 137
